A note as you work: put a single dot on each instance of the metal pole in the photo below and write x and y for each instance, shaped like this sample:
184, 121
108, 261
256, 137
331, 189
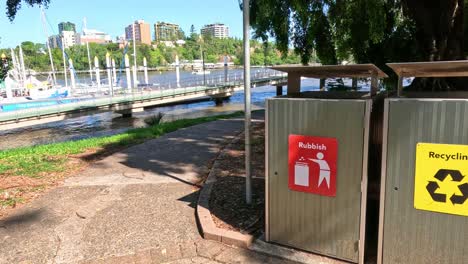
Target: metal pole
177, 70
225, 68
98, 74
248, 170
109, 74
114, 73
203, 62
127, 73
135, 77
145, 67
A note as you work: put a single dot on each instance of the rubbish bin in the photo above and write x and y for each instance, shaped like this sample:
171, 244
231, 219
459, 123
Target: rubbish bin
317, 164
424, 190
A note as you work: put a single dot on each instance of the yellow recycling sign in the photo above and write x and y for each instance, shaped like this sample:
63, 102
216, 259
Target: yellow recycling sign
441, 180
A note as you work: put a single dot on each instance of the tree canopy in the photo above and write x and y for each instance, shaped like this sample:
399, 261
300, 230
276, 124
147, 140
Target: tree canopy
365, 31
13, 6
362, 31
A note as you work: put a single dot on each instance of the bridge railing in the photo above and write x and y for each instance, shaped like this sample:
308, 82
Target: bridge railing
219, 78
162, 91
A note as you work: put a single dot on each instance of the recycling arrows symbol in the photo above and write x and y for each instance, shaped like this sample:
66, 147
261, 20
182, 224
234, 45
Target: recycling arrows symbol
438, 197
460, 199
441, 175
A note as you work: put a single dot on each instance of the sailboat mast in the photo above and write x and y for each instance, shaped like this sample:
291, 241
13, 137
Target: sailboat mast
84, 28
64, 64
23, 69
135, 83
48, 45
16, 66
89, 62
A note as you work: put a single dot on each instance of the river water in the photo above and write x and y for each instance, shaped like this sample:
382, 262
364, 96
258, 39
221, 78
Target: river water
110, 123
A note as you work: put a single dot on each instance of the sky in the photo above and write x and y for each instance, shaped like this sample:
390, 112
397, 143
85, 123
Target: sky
112, 16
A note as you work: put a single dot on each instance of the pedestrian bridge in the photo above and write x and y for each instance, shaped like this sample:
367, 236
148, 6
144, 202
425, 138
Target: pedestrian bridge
138, 100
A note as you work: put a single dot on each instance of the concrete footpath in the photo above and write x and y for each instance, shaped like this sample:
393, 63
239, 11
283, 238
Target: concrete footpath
136, 206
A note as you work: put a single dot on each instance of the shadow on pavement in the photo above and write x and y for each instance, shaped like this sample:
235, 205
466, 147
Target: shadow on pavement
26, 217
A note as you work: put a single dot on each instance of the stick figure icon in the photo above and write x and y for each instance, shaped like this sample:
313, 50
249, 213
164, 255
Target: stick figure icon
324, 169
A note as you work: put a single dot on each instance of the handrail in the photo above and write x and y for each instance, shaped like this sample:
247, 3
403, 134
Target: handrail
156, 92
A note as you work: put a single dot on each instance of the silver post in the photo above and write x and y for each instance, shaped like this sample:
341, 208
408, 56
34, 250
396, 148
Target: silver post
114, 73
145, 66
225, 68
127, 73
248, 170
177, 71
109, 74
203, 64
98, 74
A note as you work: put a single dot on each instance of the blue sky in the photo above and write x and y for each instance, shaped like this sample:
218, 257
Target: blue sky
111, 16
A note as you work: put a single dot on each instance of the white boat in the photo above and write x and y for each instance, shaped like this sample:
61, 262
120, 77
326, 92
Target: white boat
201, 72
33, 89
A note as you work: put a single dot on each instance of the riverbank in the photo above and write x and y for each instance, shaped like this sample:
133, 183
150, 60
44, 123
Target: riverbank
25, 173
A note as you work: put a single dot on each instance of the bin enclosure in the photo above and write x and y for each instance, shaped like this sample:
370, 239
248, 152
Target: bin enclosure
330, 71
325, 222
424, 235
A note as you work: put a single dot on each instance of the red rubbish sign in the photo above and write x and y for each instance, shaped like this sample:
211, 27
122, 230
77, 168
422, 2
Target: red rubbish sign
312, 164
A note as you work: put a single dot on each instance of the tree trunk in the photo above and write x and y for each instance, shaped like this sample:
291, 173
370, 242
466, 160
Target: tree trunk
440, 33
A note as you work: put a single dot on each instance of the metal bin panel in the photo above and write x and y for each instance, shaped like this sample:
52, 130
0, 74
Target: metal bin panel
324, 225
409, 235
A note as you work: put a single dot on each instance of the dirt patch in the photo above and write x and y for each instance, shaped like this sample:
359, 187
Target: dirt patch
227, 202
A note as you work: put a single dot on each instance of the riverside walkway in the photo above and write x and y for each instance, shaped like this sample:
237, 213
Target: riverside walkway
135, 206
128, 103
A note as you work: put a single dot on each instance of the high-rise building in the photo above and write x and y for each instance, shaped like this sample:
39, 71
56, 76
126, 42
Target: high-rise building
66, 26
142, 32
216, 30
55, 41
166, 31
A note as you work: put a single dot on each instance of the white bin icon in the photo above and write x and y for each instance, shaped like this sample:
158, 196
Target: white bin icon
301, 174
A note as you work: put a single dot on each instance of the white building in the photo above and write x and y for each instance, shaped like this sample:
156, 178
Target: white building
68, 39
216, 30
93, 36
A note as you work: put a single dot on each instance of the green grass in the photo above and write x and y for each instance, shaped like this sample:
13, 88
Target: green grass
39, 160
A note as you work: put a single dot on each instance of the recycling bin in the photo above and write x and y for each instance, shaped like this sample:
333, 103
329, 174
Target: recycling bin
424, 183
316, 172
424, 206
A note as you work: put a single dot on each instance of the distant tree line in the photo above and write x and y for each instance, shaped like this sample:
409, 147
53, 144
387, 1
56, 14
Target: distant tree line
158, 55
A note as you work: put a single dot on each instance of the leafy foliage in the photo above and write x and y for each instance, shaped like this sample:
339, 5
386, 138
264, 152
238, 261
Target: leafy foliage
363, 30
36, 57
13, 6
368, 31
